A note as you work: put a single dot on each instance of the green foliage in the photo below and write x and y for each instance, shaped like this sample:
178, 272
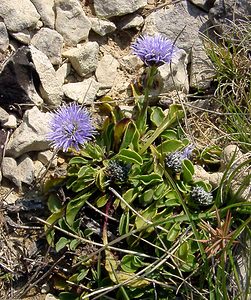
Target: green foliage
128, 218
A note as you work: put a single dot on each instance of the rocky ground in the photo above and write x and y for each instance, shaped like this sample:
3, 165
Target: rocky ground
56, 51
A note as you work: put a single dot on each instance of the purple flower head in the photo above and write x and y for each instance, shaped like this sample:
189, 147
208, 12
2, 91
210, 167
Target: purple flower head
174, 160
154, 50
70, 126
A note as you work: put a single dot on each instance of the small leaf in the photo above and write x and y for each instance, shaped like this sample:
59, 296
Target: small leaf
147, 197
188, 170
54, 203
100, 180
169, 134
119, 130
128, 136
147, 214
129, 197
78, 161
61, 243
128, 263
152, 178
169, 146
124, 223
50, 232
157, 115
83, 273
129, 156
174, 232
102, 201
74, 206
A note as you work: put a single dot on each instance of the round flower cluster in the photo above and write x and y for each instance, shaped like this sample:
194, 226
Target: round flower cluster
117, 171
70, 127
174, 160
154, 50
201, 197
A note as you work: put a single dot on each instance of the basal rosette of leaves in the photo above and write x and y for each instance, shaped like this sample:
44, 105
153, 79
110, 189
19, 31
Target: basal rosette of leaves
119, 188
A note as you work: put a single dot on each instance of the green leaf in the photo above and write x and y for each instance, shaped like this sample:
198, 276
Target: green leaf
86, 171
54, 203
52, 220
152, 178
62, 242
147, 214
128, 136
78, 161
129, 156
83, 273
100, 180
147, 197
53, 184
119, 130
174, 232
157, 115
74, 206
124, 223
169, 146
169, 134
188, 170
68, 296
101, 202
74, 243
130, 263
129, 196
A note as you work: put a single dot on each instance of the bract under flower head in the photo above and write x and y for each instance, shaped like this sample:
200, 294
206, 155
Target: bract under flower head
70, 126
154, 50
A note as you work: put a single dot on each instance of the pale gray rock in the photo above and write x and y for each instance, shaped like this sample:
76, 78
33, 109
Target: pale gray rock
30, 135
131, 21
231, 153
131, 63
185, 21
4, 116
83, 92
39, 169
111, 8
50, 297
84, 59
18, 14
50, 42
71, 21
107, 71
102, 27
20, 171
51, 88
46, 10
62, 72
174, 76
204, 4
4, 38
223, 12
23, 36
11, 122
46, 157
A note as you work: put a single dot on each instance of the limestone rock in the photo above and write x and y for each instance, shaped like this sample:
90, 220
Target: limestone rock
102, 27
18, 14
224, 11
131, 63
46, 11
174, 76
20, 171
111, 8
23, 36
30, 135
16, 80
51, 88
50, 42
46, 157
4, 38
185, 21
204, 4
131, 21
84, 59
71, 21
62, 72
4, 116
11, 122
82, 92
106, 71
39, 169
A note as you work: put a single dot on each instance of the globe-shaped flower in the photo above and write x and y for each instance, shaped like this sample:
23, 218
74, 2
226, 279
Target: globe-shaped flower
174, 160
70, 126
154, 50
